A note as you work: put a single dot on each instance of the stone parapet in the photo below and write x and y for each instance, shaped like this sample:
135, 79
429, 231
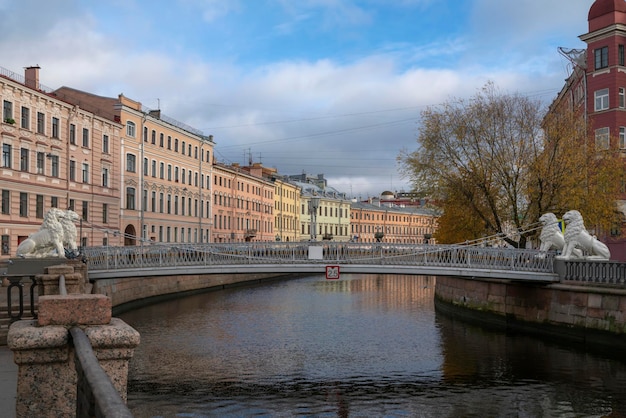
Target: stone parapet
47, 378
48, 372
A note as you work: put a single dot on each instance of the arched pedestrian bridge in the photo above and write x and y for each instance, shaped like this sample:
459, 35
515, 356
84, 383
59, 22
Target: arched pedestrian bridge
281, 258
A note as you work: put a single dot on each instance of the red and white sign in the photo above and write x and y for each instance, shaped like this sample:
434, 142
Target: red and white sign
332, 272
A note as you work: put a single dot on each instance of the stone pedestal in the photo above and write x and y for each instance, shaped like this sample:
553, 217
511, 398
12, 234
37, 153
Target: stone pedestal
73, 274
43, 350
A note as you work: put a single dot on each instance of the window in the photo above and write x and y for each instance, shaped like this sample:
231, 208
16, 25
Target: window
169, 172
130, 163
41, 123
622, 97
145, 134
5, 245
601, 99
161, 202
161, 170
161, 140
601, 56
153, 141
72, 134
54, 202
6, 155
620, 54
176, 174
144, 200
55, 127
41, 162
130, 198
24, 159
153, 201
39, 206
105, 144
85, 137
6, 202
622, 137
72, 205
85, 173
105, 213
85, 211
105, 177
130, 129
145, 166
23, 204
54, 166
153, 169
182, 148
7, 111
169, 142
72, 170
602, 138
175, 144
25, 122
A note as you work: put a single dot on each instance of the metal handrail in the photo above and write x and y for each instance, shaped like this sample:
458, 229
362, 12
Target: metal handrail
453, 256
99, 396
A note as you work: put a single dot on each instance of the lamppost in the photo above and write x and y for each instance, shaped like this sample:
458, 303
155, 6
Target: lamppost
314, 204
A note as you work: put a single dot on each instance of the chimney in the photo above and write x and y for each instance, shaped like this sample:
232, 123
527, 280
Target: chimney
32, 77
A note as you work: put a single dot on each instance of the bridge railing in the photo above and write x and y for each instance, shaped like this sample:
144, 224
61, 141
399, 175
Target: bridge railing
173, 255
596, 272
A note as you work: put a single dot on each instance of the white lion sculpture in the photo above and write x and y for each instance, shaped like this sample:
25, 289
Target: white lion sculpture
576, 236
57, 229
551, 236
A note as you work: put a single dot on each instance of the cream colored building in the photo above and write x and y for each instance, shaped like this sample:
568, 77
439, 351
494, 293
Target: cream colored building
324, 214
164, 175
55, 154
243, 204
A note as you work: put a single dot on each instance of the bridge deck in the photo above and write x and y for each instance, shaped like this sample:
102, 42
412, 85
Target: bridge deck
466, 261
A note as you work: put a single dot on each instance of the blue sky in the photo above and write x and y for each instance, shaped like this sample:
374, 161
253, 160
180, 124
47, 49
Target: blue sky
320, 86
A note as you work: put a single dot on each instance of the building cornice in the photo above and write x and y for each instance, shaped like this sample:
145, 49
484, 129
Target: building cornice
608, 31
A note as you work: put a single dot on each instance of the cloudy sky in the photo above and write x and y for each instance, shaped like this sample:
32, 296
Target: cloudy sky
316, 86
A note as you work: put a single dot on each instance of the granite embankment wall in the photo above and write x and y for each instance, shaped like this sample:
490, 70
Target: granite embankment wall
587, 314
131, 292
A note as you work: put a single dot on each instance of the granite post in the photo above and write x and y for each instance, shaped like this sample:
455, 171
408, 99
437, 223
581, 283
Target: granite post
43, 349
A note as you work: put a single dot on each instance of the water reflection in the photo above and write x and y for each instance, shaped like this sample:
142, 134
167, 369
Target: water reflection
365, 345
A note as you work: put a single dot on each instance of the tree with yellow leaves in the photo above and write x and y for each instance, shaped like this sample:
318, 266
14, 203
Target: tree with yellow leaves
497, 162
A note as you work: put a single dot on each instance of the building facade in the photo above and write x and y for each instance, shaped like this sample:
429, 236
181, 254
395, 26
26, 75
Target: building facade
286, 209
399, 225
55, 154
243, 204
165, 173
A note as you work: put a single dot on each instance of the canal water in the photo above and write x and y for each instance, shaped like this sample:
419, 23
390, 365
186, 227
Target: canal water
361, 346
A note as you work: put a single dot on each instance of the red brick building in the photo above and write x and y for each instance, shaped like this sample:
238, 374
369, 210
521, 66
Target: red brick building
596, 88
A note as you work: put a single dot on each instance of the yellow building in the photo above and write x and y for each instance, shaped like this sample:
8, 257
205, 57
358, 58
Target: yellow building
55, 154
165, 173
286, 206
243, 204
